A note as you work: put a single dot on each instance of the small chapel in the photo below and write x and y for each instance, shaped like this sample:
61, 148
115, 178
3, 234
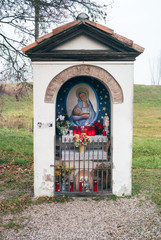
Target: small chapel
83, 75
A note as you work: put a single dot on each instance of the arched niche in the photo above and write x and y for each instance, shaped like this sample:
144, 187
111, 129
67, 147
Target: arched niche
84, 70
101, 96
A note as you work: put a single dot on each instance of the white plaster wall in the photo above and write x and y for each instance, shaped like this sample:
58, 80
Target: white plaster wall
122, 124
122, 131
81, 42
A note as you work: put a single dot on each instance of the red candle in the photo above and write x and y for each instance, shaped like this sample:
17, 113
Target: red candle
74, 130
71, 187
104, 133
93, 131
80, 186
95, 186
85, 130
89, 131
57, 187
79, 130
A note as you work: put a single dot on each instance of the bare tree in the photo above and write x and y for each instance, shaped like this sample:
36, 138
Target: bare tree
155, 70
27, 19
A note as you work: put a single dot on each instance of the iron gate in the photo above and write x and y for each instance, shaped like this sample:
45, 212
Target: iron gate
82, 172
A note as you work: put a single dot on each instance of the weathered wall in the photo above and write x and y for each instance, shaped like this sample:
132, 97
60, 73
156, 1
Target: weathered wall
121, 128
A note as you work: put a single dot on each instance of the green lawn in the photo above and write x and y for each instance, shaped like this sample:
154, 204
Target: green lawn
16, 149
147, 111
147, 142
17, 114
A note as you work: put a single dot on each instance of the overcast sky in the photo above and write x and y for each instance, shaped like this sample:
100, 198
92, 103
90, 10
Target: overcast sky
140, 21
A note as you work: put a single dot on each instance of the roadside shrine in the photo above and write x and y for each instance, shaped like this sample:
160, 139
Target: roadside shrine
83, 84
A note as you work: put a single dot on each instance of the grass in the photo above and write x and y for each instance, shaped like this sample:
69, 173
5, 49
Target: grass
17, 114
16, 152
98, 199
16, 147
147, 142
13, 224
146, 152
147, 114
147, 182
18, 204
15, 204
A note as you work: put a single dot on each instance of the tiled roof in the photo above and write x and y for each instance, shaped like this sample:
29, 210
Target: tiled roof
54, 32
125, 41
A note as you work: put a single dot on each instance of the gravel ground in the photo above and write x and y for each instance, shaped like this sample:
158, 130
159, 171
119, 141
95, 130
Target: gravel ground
123, 219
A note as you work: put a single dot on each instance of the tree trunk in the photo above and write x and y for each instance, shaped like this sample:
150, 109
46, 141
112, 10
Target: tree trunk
36, 21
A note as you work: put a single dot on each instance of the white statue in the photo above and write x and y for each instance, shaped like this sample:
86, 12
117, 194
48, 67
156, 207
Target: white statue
106, 123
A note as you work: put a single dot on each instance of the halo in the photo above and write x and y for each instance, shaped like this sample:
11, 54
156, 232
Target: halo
82, 89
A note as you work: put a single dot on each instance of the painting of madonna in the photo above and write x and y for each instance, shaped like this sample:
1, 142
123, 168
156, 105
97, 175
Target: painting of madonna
83, 113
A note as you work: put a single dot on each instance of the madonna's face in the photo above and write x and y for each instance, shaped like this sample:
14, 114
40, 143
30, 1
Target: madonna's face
83, 97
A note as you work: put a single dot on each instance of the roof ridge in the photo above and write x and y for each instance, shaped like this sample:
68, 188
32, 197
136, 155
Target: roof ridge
126, 41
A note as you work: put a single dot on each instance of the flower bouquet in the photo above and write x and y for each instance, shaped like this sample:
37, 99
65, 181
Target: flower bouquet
63, 171
62, 125
98, 127
81, 140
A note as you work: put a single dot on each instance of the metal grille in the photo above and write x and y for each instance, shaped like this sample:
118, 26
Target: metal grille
83, 172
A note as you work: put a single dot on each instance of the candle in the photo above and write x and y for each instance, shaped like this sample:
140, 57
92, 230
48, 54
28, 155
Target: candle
89, 131
104, 133
71, 187
93, 131
63, 186
95, 186
74, 130
57, 186
86, 130
79, 130
80, 186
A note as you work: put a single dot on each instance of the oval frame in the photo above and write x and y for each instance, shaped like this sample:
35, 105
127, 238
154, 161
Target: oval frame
75, 101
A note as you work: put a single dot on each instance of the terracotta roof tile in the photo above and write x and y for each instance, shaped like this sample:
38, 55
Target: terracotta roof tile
46, 36
64, 27
123, 39
137, 47
99, 26
54, 32
29, 47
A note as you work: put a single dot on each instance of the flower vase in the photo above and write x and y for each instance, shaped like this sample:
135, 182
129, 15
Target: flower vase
82, 149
